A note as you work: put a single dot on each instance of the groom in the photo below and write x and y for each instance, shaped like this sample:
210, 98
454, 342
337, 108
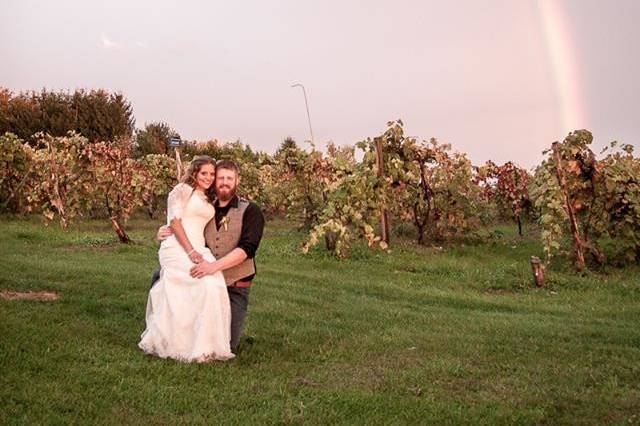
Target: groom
233, 236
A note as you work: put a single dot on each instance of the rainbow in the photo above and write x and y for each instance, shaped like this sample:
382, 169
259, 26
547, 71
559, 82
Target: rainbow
555, 28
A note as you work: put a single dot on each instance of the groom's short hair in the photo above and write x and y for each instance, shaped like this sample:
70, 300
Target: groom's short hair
229, 165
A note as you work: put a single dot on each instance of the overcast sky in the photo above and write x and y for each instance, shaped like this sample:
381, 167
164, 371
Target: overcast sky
492, 77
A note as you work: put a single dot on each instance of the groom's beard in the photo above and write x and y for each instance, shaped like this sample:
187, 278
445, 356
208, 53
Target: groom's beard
227, 195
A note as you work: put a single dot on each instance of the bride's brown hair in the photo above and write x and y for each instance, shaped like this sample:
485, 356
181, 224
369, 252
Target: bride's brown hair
192, 171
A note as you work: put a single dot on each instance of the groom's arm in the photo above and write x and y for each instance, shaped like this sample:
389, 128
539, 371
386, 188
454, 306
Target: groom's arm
231, 259
250, 237
163, 233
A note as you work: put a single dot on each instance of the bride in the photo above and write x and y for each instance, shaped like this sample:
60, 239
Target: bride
187, 318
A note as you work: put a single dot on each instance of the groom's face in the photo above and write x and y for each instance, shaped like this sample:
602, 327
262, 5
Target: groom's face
226, 184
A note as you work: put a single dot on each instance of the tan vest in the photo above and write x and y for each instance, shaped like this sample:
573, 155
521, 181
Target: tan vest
222, 241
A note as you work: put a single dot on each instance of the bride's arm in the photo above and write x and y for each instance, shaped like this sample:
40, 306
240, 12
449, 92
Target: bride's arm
178, 198
181, 236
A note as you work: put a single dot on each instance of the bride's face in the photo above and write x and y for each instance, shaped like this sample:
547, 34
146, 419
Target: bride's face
205, 176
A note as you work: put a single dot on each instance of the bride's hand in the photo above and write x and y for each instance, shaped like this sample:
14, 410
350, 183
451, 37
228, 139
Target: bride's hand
196, 257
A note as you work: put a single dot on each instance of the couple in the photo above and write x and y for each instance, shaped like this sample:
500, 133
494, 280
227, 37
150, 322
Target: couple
199, 297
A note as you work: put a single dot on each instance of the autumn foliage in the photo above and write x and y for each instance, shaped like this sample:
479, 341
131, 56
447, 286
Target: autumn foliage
583, 207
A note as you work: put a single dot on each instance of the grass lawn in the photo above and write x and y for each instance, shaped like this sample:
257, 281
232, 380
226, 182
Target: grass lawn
416, 336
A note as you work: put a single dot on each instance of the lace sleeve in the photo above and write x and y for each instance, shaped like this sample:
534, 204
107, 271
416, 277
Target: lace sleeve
177, 201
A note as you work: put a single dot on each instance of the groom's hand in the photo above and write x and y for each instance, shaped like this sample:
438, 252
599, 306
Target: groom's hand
204, 268
164, 232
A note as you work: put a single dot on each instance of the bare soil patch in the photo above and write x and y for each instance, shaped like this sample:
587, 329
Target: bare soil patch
28, 295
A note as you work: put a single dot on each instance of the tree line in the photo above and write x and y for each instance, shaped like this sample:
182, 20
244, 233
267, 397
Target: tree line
96, 114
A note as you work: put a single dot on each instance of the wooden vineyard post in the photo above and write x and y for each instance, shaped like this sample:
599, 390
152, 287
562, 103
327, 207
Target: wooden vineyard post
57, 201
577, 241
178, 164
175, 142
384, 215
538, 271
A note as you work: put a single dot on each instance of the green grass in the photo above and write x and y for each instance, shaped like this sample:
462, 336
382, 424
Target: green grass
420, 335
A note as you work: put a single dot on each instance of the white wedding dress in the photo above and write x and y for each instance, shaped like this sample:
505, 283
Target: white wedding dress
188, 319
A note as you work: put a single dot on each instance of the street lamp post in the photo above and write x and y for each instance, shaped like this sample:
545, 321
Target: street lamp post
306, 104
